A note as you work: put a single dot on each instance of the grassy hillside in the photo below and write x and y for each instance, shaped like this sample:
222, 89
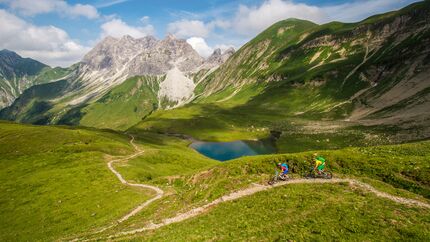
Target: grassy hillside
124, 106
324, 86
54, 181
334, 71
221, 122
302, 213
34, 105
51, 74
399, 170
335, 89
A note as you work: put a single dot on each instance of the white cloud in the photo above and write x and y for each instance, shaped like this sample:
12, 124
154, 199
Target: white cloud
145, 19
189, 28
47, 44
251, 20
218, 23
200, 45
83, 10
359, 10
254, 19
118, 28
104, 4
32, 7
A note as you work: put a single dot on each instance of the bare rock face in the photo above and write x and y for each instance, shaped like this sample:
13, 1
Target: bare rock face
164, 56
113, 60
218, 58
114, 53
16, 75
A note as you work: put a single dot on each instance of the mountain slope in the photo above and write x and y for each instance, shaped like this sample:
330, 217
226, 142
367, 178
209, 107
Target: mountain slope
298, 77
344, 70
85, 97
122, 107
17, 74
54, 181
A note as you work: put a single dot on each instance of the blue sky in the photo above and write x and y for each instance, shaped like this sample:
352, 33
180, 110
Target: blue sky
60, 32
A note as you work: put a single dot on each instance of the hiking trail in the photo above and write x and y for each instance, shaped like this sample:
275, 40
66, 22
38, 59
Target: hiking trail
229, 197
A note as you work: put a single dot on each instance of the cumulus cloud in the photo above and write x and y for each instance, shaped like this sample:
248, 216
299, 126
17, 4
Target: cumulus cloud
32, 7
47, 44
199, 44
250, 20
189, 28
358, 10
118, 28
254, 19
219, 23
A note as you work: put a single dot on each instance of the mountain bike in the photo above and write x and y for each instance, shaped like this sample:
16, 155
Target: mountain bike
277, 178
312, 174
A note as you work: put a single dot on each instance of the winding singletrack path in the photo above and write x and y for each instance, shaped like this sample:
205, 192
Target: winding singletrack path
229, 197
159, 192
258, 188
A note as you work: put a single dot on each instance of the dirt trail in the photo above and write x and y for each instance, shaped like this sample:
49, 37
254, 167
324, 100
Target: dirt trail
258, 188
158, 191
229, 197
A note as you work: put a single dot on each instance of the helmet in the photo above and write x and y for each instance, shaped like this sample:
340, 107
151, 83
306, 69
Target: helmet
279, 164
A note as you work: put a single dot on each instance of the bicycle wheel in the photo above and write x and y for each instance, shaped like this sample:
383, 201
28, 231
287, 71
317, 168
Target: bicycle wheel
272, 181
309, 175
328, 175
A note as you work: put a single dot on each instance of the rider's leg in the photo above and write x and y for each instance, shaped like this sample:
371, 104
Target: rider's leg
285, 173
321, 169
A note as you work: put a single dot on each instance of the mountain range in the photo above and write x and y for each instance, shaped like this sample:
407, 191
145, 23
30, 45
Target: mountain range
163, 68
17, 74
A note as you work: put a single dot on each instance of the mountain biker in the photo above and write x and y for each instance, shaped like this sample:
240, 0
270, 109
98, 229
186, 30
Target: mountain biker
319, 164
284, 168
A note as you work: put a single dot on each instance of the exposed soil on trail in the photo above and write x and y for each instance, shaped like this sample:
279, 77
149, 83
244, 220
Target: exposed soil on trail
158, 191
258, 188
229, 197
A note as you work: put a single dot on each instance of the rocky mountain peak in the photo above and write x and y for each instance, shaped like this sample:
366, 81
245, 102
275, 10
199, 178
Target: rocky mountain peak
218, 57
114, 60
12, 64
127, 38
229, 51
7, 53
16, 75
170, 36
217, 52
107, 40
